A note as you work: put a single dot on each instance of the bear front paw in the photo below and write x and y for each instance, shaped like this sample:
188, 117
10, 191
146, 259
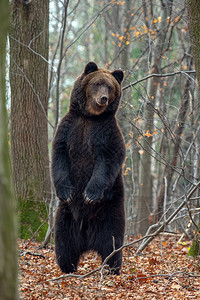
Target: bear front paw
91, 197
68, 200
65, 195
88, 200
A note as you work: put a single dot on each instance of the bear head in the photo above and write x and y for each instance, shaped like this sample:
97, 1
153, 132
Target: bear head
97, 91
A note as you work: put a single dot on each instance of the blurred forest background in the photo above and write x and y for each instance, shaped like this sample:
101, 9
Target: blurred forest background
157, 44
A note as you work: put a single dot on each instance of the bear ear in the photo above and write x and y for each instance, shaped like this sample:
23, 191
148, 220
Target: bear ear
90, 67
119, 75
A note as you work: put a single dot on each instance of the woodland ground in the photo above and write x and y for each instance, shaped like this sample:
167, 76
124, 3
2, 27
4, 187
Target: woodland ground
163, 271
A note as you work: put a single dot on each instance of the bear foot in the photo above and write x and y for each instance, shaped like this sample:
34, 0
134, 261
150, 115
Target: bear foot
68, 269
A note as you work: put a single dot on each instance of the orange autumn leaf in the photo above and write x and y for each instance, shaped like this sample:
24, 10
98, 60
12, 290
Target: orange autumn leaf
148, 134
159, 19
141, 277
137, 34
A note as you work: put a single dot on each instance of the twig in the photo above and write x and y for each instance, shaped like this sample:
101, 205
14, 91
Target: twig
143, 245
36, 53
165, 197
186, 155
178, 272
31, 253
104, 264
158, 75
103, 10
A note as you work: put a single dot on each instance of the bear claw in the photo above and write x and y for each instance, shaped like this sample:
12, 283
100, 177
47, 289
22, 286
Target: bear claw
69, 200
88, 200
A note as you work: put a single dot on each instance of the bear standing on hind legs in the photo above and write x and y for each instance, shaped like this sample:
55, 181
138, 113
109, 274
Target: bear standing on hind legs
87, 155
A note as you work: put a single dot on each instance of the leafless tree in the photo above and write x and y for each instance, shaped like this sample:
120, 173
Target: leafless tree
29, 43
8, 225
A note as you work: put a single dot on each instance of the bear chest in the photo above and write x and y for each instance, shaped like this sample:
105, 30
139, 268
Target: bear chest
87, 137
80, 144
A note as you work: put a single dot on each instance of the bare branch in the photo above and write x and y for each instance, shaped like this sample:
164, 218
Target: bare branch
23, 253
161, 226
158, 75
36, 53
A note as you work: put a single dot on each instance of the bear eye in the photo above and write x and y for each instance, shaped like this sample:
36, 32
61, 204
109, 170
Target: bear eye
109, 88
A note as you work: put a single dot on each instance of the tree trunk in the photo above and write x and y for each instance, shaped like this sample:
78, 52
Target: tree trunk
193, 7
8, 236
29, 103
169, 171
146, 180
122, 115
145, 174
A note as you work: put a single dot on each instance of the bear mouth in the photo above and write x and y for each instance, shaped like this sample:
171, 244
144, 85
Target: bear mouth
100, 103
95, 106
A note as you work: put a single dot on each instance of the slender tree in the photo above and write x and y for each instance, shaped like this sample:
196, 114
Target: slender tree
145, 203
29, 42
8, 236
193, 7
194, 31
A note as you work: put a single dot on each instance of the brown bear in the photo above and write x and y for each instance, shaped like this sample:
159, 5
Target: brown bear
87, 156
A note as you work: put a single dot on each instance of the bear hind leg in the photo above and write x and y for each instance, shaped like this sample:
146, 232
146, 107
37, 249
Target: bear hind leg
105, 238
69, 244
115, 261
67, 260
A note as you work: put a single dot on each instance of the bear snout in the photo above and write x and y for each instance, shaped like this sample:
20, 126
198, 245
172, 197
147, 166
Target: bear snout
103, 100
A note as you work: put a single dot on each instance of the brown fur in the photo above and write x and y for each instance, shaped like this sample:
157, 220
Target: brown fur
87, 155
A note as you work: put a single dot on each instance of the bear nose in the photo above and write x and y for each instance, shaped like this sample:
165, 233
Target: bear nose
104, 99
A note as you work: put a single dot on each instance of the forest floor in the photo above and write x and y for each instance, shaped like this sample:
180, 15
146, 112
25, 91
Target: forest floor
163, 271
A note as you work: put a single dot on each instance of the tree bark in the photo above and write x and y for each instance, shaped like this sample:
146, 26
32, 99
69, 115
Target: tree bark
8, 236
29, 43
169, 171
146, 180
193, 7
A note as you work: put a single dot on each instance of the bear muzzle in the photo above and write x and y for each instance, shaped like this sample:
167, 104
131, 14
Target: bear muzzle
103, 101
